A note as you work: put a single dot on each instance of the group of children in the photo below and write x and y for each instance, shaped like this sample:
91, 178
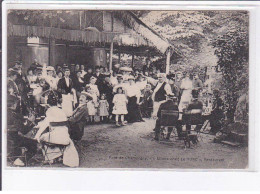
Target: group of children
99, 106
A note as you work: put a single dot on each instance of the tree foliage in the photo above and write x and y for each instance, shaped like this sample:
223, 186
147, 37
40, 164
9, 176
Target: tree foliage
232, 49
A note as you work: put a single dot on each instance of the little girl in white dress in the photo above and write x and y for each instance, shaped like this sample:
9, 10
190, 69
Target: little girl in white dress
103, 108
120, 105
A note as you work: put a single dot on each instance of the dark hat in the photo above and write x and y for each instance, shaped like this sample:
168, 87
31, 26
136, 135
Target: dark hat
171, 76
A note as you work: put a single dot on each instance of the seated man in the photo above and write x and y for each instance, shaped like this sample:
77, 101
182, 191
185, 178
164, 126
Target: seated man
78, 120
217, 115
17, 128
193, 112
170, 104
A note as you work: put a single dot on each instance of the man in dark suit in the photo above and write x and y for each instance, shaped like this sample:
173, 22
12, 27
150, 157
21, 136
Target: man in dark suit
65, 87
170, 104
78, 120
88, 75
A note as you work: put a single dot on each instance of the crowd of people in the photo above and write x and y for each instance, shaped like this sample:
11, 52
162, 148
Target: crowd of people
69, 97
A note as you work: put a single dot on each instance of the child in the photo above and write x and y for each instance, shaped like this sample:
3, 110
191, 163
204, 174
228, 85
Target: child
92, 105
147, 102
93, 85
120, 105
103, 108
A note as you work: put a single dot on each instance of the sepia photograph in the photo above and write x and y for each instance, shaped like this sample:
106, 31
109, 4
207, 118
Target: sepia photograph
127, 89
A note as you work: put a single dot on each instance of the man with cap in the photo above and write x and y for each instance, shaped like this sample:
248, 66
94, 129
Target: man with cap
78, 118
66, 88
16, 129
171, 105
162, 89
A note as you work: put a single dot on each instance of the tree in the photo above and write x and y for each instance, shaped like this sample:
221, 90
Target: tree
232, 50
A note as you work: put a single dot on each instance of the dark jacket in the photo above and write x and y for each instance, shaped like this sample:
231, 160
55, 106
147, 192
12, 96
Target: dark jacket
77, 122
168, 105
160, 94
62, 86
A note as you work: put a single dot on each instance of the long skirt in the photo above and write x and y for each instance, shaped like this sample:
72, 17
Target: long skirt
134, 113
60, 136
185, 100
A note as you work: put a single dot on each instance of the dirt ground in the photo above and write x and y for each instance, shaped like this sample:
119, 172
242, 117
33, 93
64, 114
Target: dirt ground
132, 146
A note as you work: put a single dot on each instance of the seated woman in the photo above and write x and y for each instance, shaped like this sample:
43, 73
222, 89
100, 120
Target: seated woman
58, 133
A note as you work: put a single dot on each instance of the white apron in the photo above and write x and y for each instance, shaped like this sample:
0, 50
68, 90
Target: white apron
67, 104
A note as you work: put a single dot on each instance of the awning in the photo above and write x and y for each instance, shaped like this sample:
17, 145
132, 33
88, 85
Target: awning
121, 39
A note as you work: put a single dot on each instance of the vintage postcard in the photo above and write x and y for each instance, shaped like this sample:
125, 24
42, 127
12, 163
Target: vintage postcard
136, 89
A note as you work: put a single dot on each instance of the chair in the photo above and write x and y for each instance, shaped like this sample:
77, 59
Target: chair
192, 117
47, 145
168, 118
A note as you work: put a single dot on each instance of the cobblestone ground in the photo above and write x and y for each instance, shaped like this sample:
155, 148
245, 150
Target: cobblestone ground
132, 146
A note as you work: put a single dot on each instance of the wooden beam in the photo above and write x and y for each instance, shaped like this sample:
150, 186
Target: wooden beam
168, 61
119, 56
133, 58
111, 55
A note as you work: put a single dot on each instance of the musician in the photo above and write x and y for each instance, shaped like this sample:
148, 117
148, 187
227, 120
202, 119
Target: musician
170, 104
66, 88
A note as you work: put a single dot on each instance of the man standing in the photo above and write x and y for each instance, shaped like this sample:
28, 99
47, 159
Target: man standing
65, 86
161, 90
197, 83
175, 89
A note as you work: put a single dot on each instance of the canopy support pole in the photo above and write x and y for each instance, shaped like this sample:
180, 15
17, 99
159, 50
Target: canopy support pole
168, 61
111, 55
133, 58
52, 52
119, 57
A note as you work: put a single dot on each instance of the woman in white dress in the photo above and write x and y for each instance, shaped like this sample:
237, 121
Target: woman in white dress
186, 89
58, 134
